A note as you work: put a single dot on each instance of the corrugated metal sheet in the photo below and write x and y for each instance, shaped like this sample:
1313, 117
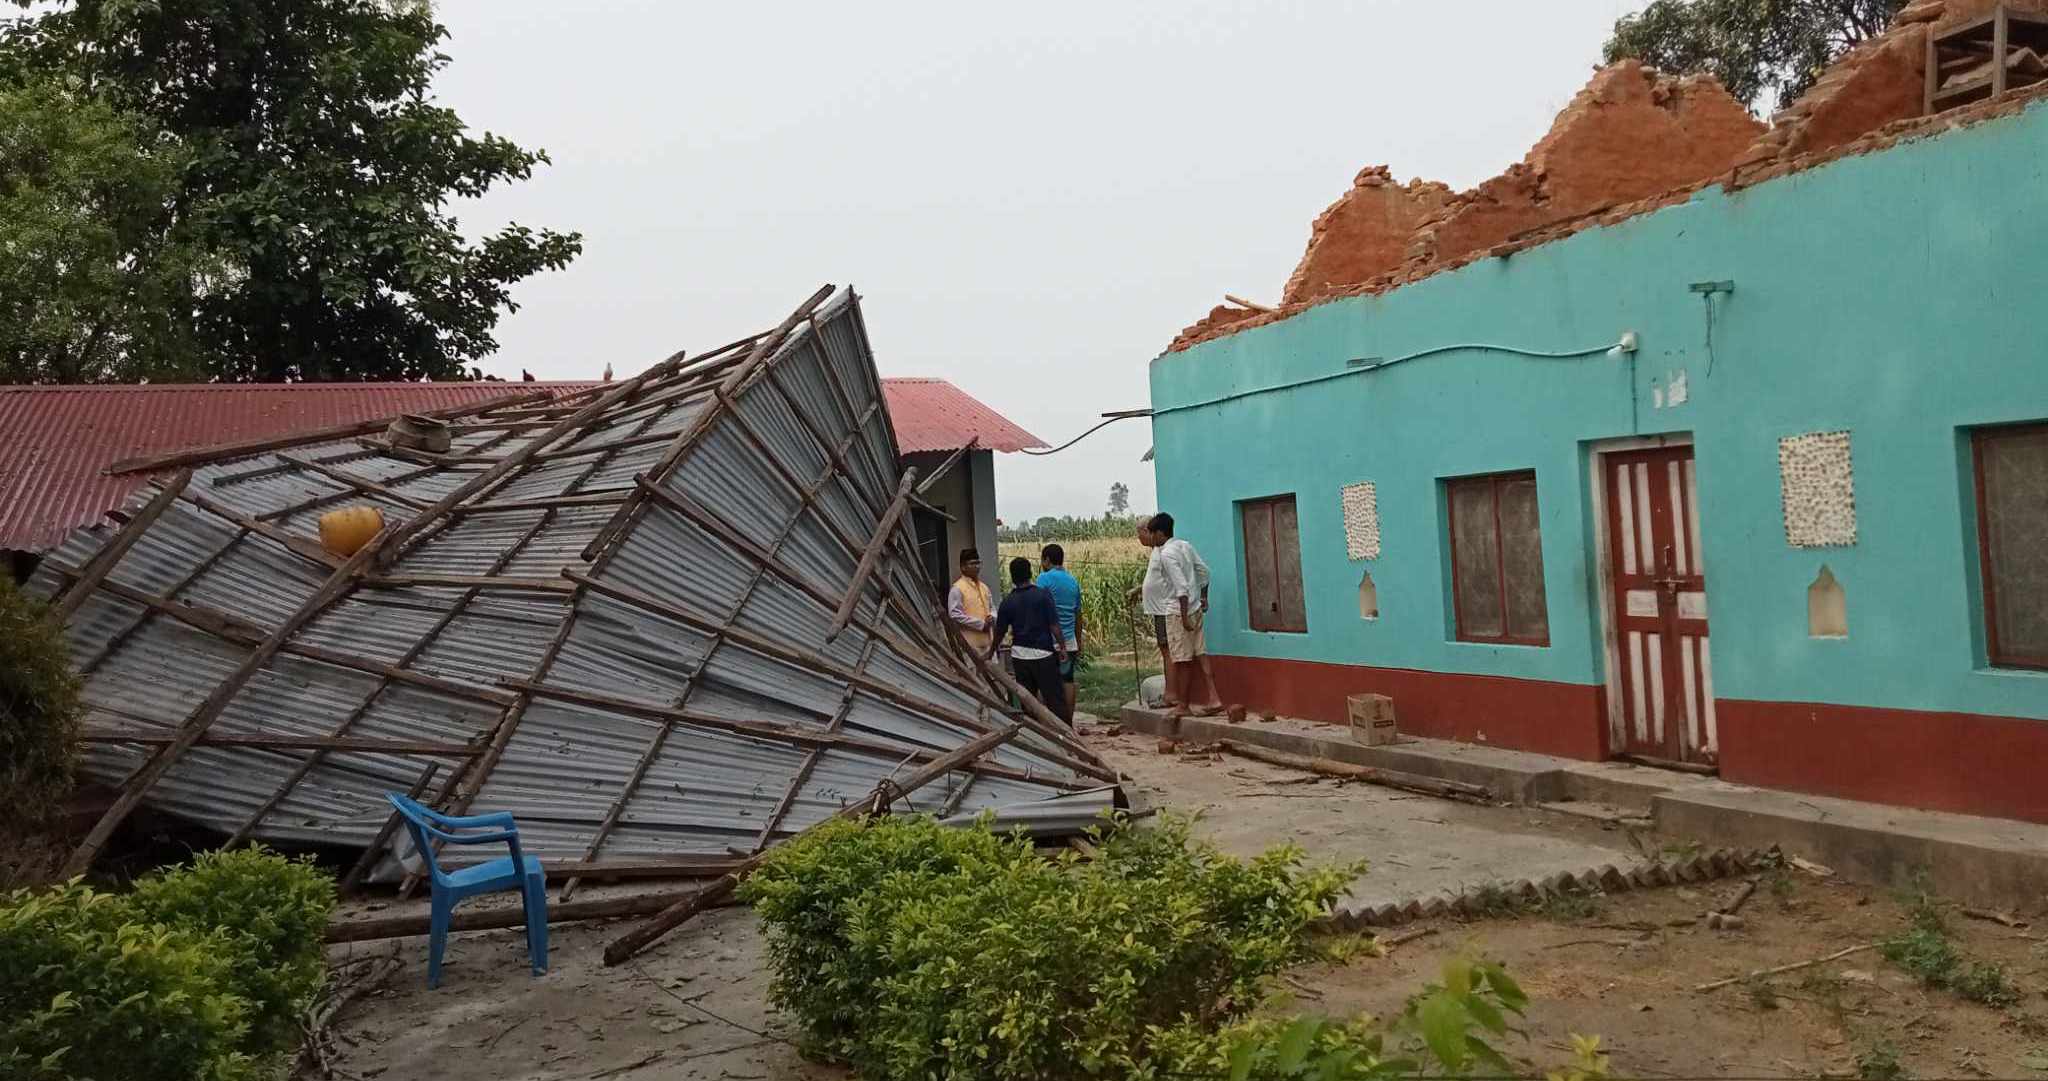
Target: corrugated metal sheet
932, 414
692, 686
55, 441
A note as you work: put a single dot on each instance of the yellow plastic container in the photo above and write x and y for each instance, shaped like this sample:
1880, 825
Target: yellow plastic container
345, 531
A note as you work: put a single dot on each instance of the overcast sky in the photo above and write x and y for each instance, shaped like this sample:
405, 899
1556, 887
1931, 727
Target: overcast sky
1031, 199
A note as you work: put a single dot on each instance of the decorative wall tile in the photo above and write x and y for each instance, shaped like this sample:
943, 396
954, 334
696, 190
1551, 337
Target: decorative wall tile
1819, 490
1361, 521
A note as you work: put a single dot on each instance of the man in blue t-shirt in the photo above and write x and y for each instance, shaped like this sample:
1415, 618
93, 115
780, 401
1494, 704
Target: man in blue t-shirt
1066, 597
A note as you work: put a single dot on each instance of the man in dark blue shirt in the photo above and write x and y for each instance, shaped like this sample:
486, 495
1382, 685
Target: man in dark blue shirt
1032, 621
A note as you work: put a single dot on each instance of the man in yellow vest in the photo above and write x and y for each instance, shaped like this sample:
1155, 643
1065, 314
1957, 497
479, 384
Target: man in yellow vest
968, 604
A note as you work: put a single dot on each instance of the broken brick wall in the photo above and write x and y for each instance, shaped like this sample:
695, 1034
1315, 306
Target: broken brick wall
1364, 234
1630, 133
1880, 81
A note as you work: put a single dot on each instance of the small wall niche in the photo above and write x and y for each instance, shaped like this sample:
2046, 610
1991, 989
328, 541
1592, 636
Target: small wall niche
1368, 597
1827, 607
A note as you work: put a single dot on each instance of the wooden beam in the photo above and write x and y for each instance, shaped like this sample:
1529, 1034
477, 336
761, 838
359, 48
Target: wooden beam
886, 793
337, 585
558, 502
946, 466
362, 709
397, 545
354, 878
872, 554
102, 562
876, 687
702, 422
296, 743
825, 739
489, 582
491, 919
343, 477
811, 760
244, 448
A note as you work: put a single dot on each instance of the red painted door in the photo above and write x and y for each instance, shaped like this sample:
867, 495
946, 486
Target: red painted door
1663, 669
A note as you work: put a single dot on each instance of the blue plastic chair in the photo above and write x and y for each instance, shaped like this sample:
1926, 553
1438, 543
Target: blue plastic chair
518, 871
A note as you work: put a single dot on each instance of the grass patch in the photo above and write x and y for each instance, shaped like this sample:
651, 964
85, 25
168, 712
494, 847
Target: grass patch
1926, 949
1106, 681
1492, 902
1880, 1062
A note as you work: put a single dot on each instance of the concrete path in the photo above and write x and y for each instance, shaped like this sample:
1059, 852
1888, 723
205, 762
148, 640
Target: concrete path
1416, 846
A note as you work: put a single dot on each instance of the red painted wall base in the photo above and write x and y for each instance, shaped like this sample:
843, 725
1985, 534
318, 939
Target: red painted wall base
1521, 714
1963, 762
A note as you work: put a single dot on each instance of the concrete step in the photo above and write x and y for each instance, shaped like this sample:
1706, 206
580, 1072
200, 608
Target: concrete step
1601, 812
1989, 861
1995, 862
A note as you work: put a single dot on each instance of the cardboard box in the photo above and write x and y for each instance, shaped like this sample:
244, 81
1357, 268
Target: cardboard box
1372, 719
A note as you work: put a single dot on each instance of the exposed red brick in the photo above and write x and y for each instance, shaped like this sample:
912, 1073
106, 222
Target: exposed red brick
1850, 111
1364, 234
1630, 133
1878, 83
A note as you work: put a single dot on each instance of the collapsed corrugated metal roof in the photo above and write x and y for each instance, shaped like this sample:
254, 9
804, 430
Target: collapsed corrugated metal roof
611, 614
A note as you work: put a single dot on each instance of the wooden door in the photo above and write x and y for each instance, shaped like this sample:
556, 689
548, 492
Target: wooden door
1663, 668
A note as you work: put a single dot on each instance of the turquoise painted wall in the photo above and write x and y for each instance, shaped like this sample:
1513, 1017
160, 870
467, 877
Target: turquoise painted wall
1899, 295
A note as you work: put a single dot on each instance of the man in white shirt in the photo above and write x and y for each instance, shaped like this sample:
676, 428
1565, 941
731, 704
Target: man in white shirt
1176, 596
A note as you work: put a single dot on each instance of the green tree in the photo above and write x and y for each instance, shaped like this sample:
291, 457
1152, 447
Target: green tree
1766, 52
1119, 498
97, 283
319, 172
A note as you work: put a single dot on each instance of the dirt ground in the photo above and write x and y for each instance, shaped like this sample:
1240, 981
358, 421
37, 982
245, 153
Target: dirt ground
1626, 974
695, 1004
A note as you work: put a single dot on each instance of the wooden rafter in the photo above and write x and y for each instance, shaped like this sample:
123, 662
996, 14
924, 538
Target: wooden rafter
334, 588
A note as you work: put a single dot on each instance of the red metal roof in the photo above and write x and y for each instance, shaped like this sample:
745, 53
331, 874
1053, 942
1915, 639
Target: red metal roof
54, 441
932, 414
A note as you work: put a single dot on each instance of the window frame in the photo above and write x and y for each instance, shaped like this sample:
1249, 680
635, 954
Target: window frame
1256, 618
1459, 625
1978, 437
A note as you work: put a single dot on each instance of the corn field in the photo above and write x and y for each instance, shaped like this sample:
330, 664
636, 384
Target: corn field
1107, 570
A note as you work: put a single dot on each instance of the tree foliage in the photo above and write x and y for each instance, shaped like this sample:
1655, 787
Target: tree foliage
97, 282
1119, 498
39, 710
294, 149
1765, 52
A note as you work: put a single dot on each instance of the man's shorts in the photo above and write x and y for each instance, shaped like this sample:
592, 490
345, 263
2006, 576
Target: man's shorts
1067, 663
1183, 644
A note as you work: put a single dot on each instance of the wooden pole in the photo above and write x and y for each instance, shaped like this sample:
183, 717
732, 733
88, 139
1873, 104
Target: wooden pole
339, 583
342, 744
1330, 767
886, 793
872, 554
484, 480
644, 904
102, 562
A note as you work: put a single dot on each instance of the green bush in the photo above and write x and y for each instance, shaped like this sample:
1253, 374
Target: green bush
39, 712
1446, 1028
272, 916
911, 950
86, 991
200, 973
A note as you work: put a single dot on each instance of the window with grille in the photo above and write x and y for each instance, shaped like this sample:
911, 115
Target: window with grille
1272, 565
1497, 560
2012, 522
